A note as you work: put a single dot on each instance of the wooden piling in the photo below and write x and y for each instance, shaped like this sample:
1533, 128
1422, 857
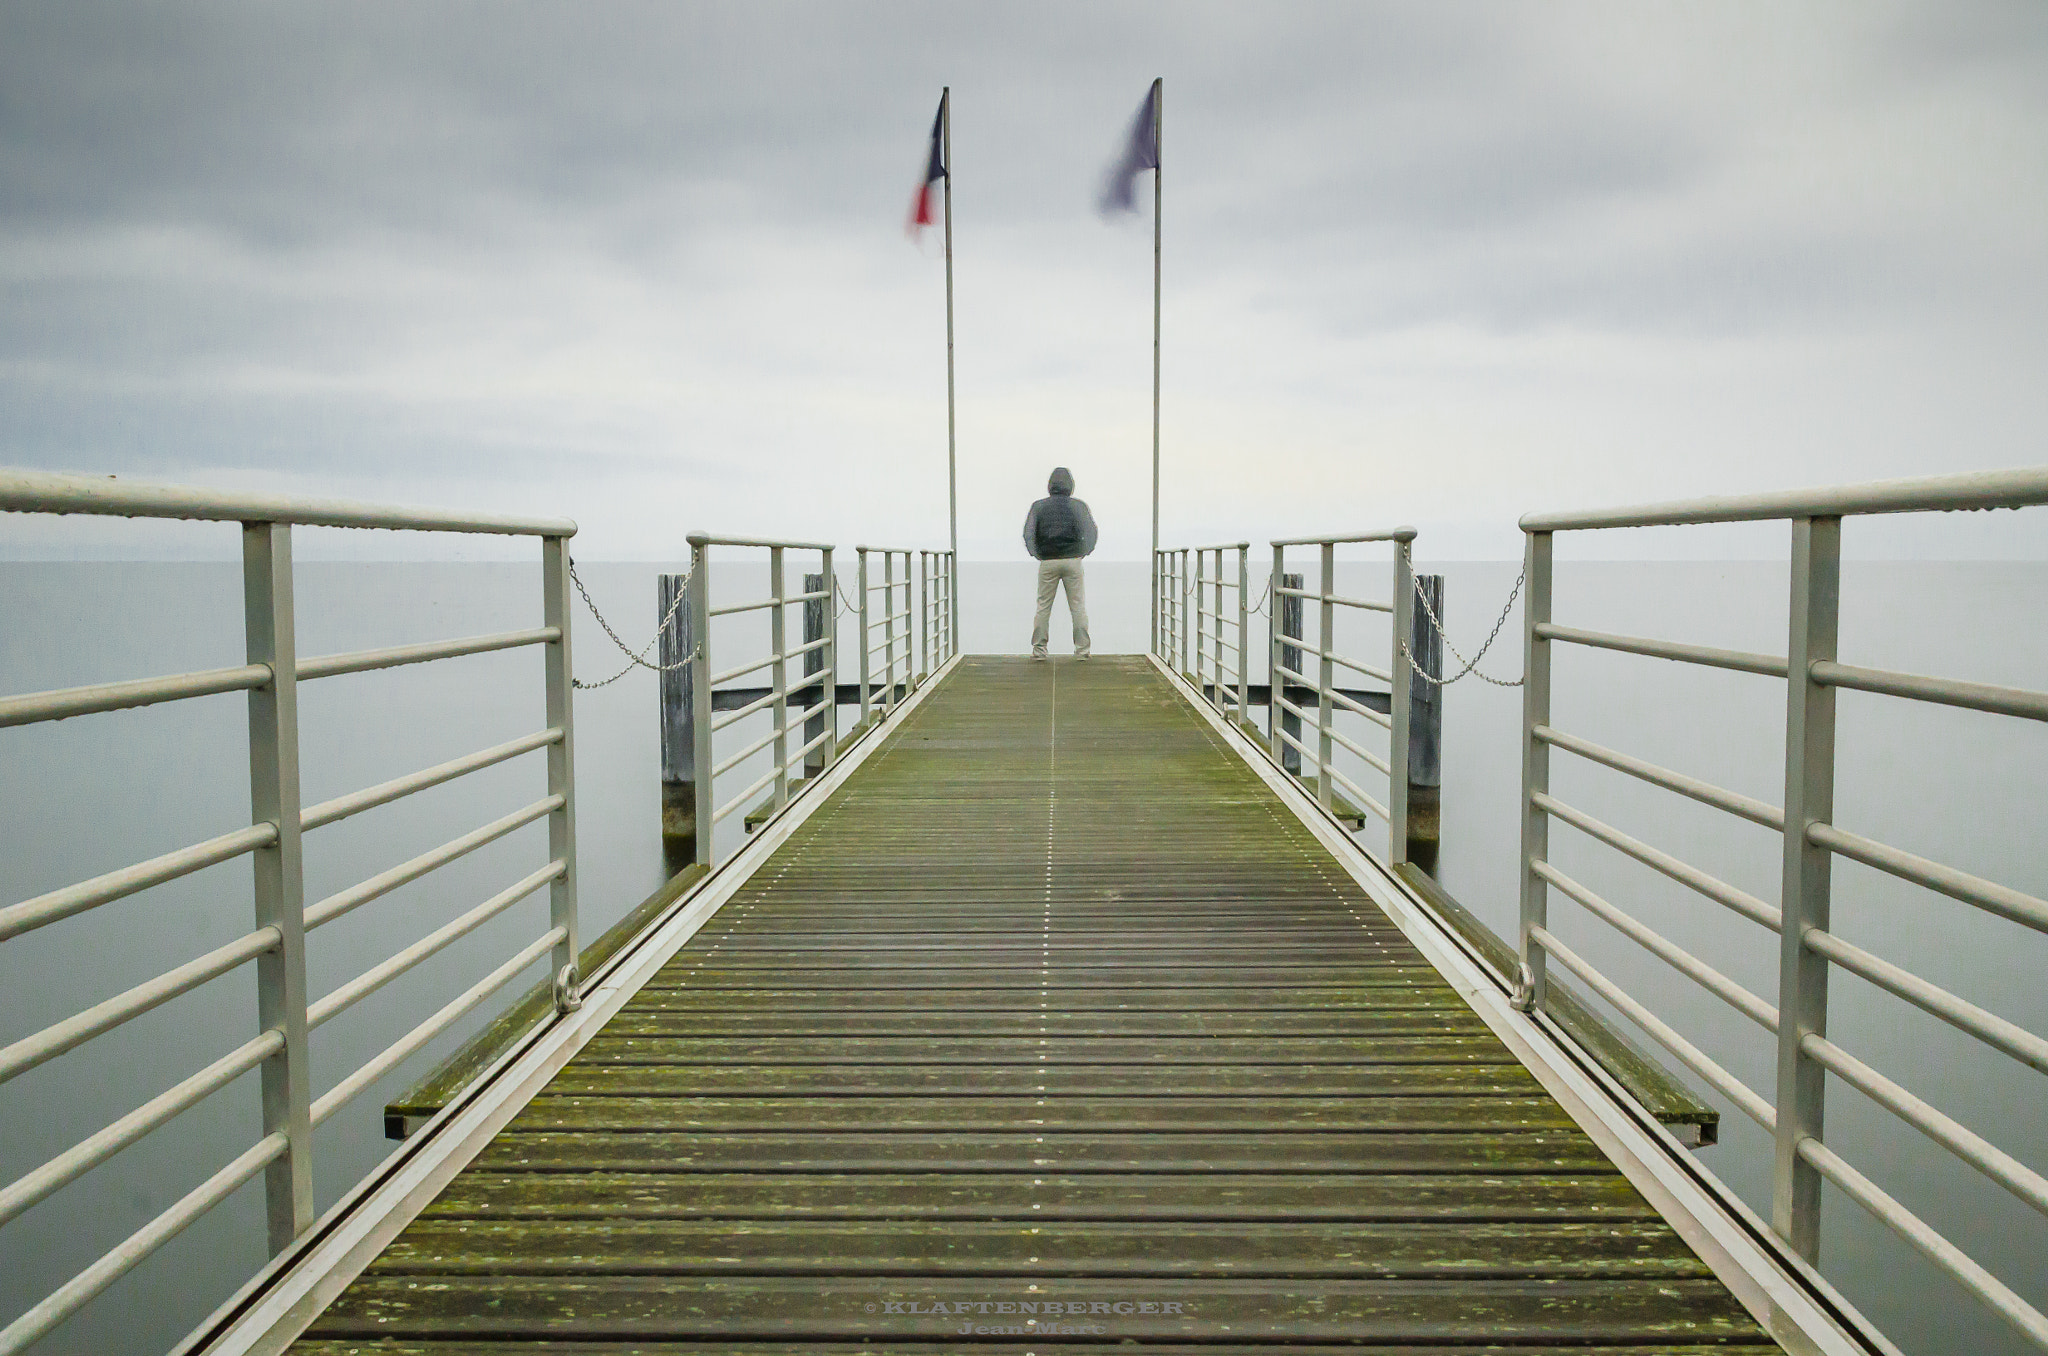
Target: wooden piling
817, 612
678, 734
1288, 609
1426, 729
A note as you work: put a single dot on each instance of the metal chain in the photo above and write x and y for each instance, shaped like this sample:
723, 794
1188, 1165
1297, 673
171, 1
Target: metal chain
1265, 594
846, 605
633, 660
1472, 664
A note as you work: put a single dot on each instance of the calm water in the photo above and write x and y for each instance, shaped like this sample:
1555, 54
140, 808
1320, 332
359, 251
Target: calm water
90, 794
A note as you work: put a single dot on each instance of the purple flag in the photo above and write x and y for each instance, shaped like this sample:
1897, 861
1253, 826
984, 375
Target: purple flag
1140, 153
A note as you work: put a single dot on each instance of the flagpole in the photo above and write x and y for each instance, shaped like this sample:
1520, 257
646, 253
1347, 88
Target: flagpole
1158, 201
952, 481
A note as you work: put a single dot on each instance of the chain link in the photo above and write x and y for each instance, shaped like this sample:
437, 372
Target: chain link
633, 660
1471, 665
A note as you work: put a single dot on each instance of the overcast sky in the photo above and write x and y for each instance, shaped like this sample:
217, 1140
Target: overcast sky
645, 265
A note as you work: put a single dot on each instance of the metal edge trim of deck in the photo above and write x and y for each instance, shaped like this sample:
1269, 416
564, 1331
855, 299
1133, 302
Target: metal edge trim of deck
277, 1305
1791, 1301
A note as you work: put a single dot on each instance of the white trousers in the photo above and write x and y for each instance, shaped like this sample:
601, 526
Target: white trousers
1051, 573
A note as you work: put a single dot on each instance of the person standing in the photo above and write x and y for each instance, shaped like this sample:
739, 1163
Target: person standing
1058, 532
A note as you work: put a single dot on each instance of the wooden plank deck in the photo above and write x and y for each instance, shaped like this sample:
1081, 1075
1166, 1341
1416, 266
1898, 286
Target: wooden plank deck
1051, 1026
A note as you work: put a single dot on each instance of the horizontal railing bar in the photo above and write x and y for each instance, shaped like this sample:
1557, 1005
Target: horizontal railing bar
1358, 793
1354, 665
126, 1255
743, 670
2003, 701
819, 596
1986, 1026
1745, 807
1666, 950
1921, 494
341, 807
1951, 1134
45, 492
1388, 534
1720, 891
1367, 754
736, 608
377, 976
889, 550
2002, 900
1293, 710
1335, 599
1213, 546
1340, 700
740, 713
749, 751
1300, 748
796, 756
1727, 1084
702, 539
722, 811
395, 1054
97, 1148
361, 661
31, 708
54, 1040
383, 883
1924, 1237
1771, 666
820, 643
44, 909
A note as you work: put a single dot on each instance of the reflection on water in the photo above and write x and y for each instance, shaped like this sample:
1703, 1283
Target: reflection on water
93, 793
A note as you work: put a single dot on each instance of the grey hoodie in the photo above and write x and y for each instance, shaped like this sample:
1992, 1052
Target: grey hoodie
1059, 526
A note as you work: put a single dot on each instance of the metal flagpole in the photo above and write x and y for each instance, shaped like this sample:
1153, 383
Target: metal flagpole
1158, 200
952, 479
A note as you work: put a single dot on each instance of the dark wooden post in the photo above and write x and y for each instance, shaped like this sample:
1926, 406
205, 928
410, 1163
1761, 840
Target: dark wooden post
1289, 609
817, 699
1426, 729
678, 734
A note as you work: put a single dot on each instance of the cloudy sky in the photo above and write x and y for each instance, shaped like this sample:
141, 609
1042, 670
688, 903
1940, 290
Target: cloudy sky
644, 264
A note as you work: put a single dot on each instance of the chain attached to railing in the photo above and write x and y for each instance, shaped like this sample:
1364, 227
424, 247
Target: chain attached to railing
633, 660
1472, 664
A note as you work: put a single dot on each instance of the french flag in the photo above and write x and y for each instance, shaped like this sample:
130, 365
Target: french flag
921, 212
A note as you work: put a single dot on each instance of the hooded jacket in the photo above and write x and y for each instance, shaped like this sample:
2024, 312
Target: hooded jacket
1059, 526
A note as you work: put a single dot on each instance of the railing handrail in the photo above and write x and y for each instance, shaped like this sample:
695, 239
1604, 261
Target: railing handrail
1383, 534
706, 539
2020, 487
25, 491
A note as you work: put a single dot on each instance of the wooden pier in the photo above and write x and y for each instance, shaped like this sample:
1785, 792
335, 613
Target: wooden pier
1052, 1025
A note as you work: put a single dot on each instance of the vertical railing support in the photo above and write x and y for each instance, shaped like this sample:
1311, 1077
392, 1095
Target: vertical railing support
778, 672
271, 634
1531, 987
1326, 673
555, 609
831, 656
1188, 622
924, 613
1807, 884
700, 692
889, 629
1400, 731
866, 686
1216, 624
817, 611
1200, 647
1244, 634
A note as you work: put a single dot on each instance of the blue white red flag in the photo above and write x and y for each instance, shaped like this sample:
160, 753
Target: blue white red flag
921, 214
1140, 153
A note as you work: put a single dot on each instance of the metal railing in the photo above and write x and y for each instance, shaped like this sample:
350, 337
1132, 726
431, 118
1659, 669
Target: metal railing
777, 700
931, 642
1323, 682
276, 946
1201, 640
1796, 1016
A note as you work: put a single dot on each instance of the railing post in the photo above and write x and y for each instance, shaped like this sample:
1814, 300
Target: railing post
1200, 647
1216, 625
831, 624
1807, 886
1244, 633
1326, 673
815, 612
700, 693
561, 694
778, 673
1532, 986
1398, 704
889, 631
866, 687
1188, 623
271, 635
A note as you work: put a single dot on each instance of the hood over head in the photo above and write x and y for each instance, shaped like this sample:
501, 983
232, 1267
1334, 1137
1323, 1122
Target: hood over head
1062, 481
